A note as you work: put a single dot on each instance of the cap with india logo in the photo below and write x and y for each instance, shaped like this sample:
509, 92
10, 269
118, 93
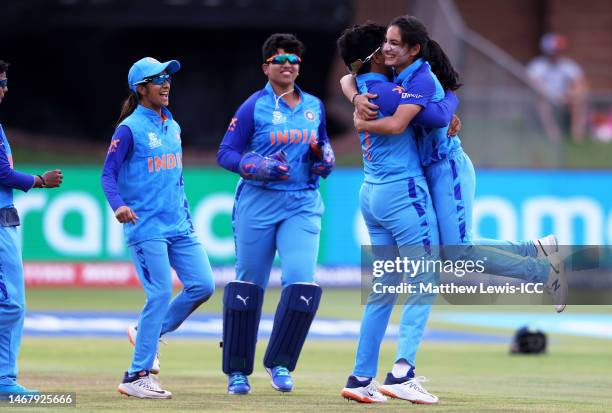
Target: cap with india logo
147, 67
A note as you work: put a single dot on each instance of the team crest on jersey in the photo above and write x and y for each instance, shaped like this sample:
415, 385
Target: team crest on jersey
154, 140
278, 118
309, 115
399, 89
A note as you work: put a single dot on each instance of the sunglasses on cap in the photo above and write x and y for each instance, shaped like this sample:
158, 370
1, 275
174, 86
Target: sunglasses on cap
279, 59
156, 80
3, 83
358, 64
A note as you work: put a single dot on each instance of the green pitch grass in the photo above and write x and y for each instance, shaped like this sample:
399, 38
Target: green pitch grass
573, 377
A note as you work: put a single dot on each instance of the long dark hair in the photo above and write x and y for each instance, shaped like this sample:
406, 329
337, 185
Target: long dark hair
414, 32
128, 106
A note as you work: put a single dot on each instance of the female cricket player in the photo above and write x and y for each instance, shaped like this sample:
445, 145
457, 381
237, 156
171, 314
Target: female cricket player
449, 171
143, 183
400, 218
277, 142
12, 294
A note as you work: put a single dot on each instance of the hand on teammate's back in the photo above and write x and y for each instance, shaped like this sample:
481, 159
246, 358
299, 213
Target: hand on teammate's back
264, 168
53, 178
125, 214
454, 127
364, 108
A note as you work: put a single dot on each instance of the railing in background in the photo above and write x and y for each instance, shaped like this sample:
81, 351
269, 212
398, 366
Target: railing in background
499, 109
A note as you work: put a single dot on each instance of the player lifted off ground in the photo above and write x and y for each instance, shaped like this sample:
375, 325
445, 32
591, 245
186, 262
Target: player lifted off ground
424, 71
143, 183
399, 215
12, 294
277, 142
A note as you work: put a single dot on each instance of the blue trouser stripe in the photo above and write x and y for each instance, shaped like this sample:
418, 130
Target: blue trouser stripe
411, 188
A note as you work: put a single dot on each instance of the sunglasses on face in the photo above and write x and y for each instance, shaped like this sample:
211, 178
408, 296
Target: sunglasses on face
279, 59
156, 80
358, 64
3, 83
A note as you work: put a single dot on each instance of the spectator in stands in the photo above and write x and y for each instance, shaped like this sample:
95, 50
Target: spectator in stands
561, 82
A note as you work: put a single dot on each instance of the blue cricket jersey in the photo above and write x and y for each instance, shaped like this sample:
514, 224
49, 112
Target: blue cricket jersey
10, 178
265, 124
387, 158
422, 87
144, 170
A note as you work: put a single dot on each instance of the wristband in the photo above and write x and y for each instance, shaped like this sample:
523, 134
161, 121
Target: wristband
353, 98
42, 181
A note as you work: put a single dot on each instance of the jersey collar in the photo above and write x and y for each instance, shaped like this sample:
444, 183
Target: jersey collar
407, 72
281, 102
151, 114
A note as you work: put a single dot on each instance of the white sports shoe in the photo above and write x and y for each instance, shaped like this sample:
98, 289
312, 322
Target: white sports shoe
410, 390
547, 245
556, 285
144, 388
365, 394
132, 332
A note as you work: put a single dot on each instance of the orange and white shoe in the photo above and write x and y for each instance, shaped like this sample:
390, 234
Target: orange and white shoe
132, 332
362, 391
409, 389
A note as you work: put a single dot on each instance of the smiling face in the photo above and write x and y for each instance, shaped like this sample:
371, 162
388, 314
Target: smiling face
398, 54
154, 96
282, 75
3, 90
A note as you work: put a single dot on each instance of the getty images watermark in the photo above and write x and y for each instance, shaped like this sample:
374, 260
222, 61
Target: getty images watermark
412, 268
482, 274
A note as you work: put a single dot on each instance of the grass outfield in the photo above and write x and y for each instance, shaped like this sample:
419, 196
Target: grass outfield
573, 377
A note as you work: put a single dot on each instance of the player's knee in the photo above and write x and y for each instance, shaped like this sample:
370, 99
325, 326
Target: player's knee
296, 275
202, 291
160, 299
457, 252
11, 311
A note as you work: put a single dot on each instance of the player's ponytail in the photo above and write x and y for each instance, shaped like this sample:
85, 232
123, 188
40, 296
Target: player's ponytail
128, 106
414, 32
441, 65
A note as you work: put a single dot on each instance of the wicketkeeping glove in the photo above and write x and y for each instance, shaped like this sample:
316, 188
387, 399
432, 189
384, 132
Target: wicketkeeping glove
325, 158
264, 168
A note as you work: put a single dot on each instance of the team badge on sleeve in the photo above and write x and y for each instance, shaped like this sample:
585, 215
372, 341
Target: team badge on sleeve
232, 125
113, 146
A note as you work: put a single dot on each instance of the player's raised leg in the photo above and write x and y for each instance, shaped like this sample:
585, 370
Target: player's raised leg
193, 269
452, 186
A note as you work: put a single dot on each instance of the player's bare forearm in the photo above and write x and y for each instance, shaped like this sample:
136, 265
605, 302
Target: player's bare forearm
391, 125
383, 126
349, 88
